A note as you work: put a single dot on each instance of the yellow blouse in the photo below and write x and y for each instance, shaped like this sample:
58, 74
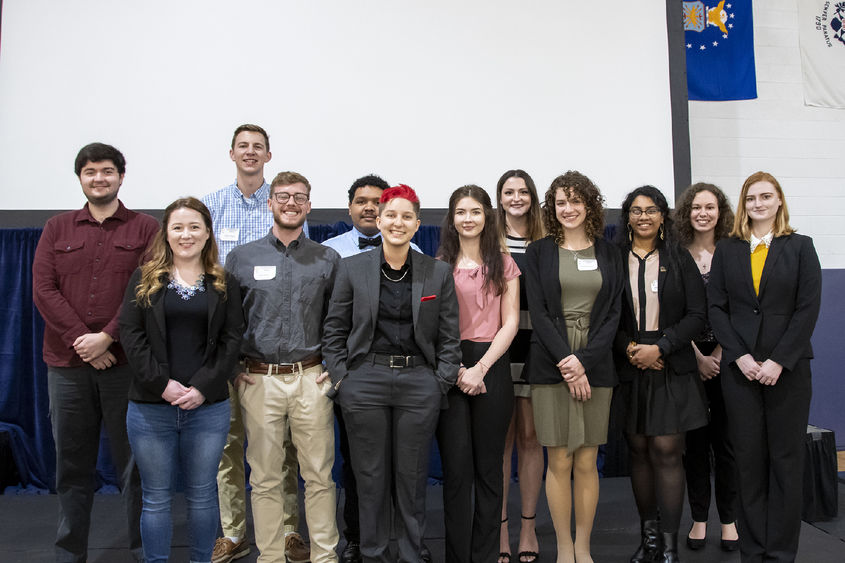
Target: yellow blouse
758, 260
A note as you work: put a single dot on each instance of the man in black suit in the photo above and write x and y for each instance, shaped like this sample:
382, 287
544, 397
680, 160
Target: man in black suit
392, 347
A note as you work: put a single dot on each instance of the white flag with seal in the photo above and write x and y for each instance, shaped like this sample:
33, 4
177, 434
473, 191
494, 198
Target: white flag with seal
822, 35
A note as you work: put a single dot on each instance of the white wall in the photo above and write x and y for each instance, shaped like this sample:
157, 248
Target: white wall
433, 93
802, 146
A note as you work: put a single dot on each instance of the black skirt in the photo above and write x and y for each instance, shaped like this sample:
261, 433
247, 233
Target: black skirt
662, 402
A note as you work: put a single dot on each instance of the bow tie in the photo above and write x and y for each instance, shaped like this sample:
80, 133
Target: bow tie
364, 242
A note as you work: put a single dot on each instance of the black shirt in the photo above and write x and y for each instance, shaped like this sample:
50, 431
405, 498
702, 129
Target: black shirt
394, 332
187, 332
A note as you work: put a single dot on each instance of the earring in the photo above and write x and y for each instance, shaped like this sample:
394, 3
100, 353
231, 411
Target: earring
630, 233
660, 232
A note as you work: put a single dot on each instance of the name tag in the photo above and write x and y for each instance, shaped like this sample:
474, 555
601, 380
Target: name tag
654, 286
587, 264
229, 234
264, 272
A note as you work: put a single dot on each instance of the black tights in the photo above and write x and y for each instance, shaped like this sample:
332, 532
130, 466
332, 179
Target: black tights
657, 477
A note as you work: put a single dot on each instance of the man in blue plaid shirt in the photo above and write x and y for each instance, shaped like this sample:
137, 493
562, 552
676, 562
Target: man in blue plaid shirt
240, 214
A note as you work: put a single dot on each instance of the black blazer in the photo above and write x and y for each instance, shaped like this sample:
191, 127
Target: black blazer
143, 334
778, 323
353, 311
549, 341
680, 292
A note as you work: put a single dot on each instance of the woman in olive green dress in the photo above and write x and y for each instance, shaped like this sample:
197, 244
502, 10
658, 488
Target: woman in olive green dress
574, 282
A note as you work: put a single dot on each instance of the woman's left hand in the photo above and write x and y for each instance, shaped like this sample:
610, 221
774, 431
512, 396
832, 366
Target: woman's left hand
645, 355
471, 381
580, 389
571, 368
769, 372
190, 400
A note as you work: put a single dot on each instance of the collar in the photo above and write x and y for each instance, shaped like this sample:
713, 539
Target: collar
407, 263
295, 243
261, 194
767, 240
356, 233
84, 214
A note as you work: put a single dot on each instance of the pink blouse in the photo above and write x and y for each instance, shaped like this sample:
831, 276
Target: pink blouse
481, 316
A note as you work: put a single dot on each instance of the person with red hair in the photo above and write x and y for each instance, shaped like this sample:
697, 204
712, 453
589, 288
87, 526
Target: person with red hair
392, 349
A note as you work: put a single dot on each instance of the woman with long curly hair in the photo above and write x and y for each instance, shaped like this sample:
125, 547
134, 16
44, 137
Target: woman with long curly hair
521, 221
764, 295
181, 326
471, 431
574, 281
702, 217
663, 309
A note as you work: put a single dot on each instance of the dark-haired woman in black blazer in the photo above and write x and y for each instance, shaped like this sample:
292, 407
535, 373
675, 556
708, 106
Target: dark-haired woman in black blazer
764, 295
663, 309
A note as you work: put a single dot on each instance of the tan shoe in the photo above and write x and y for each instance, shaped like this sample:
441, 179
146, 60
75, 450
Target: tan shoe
226, 550
295, 549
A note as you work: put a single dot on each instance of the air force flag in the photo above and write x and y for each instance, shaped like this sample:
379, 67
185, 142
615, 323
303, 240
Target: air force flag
720, 50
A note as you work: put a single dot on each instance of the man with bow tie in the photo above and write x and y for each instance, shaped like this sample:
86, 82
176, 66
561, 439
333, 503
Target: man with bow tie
364, 195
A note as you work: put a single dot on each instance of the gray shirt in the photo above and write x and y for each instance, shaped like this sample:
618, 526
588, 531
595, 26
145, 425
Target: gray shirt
285, 293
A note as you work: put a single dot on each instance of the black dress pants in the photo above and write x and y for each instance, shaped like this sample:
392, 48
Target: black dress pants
352, 530
699, 444
390, 417
768, 425
83, 399
471, 437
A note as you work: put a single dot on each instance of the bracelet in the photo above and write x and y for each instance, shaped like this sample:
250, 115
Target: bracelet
484, 368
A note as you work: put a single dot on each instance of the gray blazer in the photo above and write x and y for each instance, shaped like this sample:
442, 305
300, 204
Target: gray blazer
353, 310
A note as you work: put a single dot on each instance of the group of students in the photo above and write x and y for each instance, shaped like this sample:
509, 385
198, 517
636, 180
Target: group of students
528, 328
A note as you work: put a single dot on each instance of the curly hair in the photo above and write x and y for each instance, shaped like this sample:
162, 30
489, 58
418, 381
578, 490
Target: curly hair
573, 183
535, 220
156, 271
683, 210
491, 239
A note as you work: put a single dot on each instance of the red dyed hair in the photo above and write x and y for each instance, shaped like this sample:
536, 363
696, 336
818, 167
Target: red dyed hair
400, 191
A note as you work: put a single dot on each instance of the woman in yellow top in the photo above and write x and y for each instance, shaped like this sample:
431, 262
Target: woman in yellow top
764, 296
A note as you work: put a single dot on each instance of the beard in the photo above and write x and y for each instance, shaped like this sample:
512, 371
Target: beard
99, 201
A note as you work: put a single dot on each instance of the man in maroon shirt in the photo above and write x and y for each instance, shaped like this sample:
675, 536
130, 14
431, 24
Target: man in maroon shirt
81, 268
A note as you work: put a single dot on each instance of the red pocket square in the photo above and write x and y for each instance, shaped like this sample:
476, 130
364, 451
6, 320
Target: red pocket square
428, 298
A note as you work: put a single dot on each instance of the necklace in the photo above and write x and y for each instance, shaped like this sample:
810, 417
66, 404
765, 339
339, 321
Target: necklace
186, 292
400, 278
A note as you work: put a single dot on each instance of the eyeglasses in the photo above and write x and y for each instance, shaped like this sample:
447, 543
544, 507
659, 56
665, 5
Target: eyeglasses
284, 197
651, 211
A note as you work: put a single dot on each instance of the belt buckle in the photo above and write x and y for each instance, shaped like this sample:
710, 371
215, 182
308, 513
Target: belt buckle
285, 369
405, 360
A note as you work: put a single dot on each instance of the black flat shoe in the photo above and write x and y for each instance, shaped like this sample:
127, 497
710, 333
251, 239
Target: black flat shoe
696, 544
729, 545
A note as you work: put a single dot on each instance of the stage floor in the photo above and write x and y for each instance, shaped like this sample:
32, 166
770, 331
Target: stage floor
27, 528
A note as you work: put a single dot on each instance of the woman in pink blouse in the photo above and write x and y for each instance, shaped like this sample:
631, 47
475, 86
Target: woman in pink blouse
471, 431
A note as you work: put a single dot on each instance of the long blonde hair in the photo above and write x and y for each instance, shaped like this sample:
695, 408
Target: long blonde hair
156, 271
742, 224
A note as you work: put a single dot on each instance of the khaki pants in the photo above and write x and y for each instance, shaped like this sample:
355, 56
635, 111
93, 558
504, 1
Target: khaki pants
231, 477
273, 407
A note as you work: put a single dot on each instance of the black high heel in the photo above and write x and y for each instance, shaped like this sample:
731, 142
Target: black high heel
531, 555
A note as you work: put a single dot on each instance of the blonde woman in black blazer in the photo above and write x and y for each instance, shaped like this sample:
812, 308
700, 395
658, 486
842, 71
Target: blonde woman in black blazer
764, 295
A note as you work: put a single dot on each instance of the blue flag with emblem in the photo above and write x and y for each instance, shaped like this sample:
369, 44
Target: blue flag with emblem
719, 40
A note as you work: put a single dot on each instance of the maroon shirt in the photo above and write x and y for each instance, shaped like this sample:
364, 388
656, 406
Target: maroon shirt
80, 273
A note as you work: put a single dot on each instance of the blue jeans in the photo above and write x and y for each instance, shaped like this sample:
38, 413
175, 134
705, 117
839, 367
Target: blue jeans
166, 439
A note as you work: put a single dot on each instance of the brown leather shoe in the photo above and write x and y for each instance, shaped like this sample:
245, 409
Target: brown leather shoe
226, 550
295, 549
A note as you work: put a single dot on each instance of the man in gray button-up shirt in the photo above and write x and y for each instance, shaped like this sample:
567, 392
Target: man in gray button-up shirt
286, 281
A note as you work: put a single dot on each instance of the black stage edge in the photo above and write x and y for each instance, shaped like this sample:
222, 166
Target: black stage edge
29, 522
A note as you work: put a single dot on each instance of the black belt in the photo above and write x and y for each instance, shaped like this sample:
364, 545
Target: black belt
397, 362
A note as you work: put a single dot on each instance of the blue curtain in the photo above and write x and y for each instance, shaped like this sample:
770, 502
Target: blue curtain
24, 409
